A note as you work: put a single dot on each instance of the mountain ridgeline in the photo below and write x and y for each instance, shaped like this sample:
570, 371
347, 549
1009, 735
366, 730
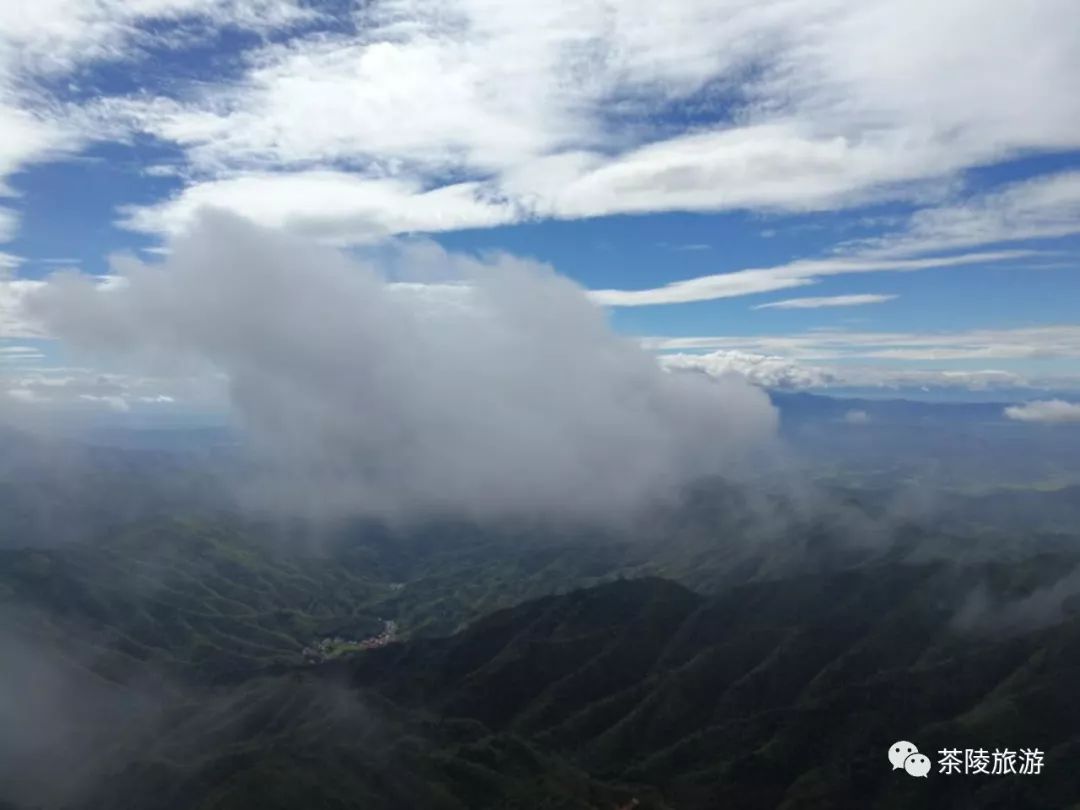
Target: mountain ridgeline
781, 693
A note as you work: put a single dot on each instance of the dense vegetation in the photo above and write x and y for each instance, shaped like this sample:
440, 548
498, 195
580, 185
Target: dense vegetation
181, 641
778, 694
739, 649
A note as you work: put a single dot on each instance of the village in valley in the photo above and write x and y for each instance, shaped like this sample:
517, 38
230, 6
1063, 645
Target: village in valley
334, 646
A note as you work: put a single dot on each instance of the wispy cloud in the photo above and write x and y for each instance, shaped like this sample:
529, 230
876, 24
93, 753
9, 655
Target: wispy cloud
39, 51
78, 388
20, 353
831, 105
1042, 208
1045, 342
827, 301
473, 114
794, 274
689, 247
335, 207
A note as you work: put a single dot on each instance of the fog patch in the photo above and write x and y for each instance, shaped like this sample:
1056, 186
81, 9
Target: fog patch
983, 611
58, 720
856, 417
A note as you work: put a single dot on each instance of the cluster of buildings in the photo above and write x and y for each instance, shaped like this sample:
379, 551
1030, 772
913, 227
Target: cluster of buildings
331, 646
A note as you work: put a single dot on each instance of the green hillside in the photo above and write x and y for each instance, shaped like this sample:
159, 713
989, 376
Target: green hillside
779, 694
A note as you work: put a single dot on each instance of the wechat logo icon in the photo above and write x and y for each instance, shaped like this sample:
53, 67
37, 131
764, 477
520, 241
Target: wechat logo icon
906, 755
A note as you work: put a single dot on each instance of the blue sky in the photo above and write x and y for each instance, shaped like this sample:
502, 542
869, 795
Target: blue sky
825, 195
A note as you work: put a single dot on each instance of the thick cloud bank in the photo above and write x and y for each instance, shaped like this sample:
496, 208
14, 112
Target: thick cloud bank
486, 388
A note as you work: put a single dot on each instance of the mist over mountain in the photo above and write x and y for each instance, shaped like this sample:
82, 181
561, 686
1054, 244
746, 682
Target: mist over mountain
182, 651
574, 405
708, 600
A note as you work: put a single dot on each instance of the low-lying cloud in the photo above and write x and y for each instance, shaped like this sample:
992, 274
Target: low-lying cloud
856, 417
1050, 411
434, 383
1042, 607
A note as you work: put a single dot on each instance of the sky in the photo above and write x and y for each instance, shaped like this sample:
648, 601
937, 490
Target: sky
874, 197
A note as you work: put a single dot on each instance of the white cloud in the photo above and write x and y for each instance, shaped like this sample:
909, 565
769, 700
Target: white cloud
560, 108
1051, 411
1040, 342
768, 371
775, 371
62, 34
1044, 207
22, 395
435, 116
14, 321
827, 301
359, 394
28, 136
794, 274
775, 166
336, 207
856, 417
433, 102
57, 37
753, 167
20, 354
74, 389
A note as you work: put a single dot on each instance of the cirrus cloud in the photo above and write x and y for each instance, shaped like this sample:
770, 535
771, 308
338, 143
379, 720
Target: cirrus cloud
827, 301
799, 273
583, 108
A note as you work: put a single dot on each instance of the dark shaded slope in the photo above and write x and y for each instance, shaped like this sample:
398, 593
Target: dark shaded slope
783, 694
307, 742
566, 651
771, 694
196, 600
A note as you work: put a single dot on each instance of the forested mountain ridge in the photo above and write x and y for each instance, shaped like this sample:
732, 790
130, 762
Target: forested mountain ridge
775, 694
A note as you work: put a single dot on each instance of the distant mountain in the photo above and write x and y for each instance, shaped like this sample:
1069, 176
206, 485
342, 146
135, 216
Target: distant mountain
937, 446
801, 407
